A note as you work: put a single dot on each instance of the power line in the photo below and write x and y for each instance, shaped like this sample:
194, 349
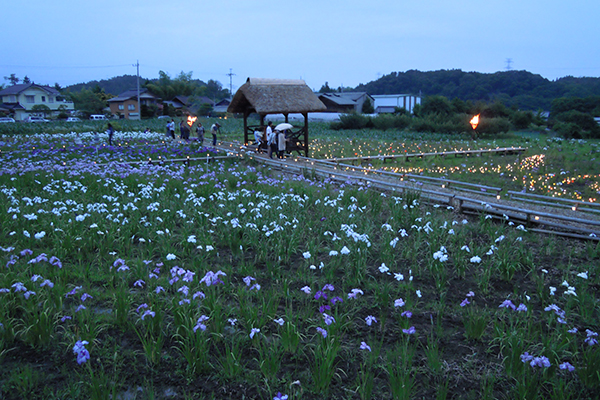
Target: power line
63, 67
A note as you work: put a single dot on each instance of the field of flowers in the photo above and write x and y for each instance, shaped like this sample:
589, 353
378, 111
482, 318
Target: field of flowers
551, 166
225, 280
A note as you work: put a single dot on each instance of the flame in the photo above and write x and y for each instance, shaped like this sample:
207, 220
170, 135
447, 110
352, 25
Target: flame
191, 120
475, 121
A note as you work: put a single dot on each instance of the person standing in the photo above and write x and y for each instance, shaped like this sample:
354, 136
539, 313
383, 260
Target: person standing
184, 129
111, 132
214, 129
269, 137
171, 126
281, 144
269, 129
258, 137
271, 141
200, 132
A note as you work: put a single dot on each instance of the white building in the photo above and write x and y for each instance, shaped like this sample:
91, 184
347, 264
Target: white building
29, 99
386, 103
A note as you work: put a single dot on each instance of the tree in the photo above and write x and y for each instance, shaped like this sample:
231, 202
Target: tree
214, 90
26, 80
89, 102
41, 108
522, 119
148, 110
325, 88
461, 106
436, 105
62, 112
183, 85
166, 110
400, 111
205, 109
367, 107
12, 79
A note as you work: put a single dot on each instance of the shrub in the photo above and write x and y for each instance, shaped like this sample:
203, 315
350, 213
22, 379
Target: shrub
353, 121
402, 121
336, 125
423, 125
588, 127
384, 122
522, 119
493, 126
568, 130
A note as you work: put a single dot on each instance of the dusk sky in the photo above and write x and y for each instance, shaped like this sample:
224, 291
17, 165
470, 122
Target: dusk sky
340, 42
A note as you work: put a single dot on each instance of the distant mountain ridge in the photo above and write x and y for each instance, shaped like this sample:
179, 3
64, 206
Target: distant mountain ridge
520, 89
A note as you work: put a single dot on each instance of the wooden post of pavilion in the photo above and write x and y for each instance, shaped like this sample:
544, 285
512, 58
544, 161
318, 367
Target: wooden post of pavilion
246, 114
306, 133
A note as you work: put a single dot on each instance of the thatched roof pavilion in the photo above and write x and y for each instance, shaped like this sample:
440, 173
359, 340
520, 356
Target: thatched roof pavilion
277, 96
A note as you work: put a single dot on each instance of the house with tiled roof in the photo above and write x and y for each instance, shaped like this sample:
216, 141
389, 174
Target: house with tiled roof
189, 104
221, 106
125, 104
26, 99
178, 102
344, 102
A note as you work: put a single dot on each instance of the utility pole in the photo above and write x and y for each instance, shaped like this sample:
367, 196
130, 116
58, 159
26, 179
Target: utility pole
137, 64
230, 74
508, 62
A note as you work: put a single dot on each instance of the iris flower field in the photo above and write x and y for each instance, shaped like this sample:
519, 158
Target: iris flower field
227, 280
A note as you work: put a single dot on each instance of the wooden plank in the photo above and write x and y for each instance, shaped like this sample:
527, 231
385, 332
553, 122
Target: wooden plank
443, 154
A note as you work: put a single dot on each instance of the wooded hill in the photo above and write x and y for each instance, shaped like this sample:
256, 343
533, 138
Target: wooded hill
114, 86
164, 87
521, 89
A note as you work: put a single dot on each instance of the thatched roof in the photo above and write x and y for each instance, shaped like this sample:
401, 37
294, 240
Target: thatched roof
275, 96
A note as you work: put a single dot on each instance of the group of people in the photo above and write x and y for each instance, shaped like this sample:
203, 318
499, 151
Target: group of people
185, 129
274, 139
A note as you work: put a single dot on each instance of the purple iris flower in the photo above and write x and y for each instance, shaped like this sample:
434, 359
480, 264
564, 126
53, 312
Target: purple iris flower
322, 331
507, 304
409, 331
567, 366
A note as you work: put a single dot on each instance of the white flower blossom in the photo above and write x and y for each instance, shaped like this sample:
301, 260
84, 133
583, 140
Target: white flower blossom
583, 275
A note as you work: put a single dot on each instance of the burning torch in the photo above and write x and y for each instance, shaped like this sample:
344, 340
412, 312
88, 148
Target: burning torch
191, 120
474, 122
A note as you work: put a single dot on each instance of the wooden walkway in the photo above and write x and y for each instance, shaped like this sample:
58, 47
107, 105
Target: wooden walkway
457, 153
462, 196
